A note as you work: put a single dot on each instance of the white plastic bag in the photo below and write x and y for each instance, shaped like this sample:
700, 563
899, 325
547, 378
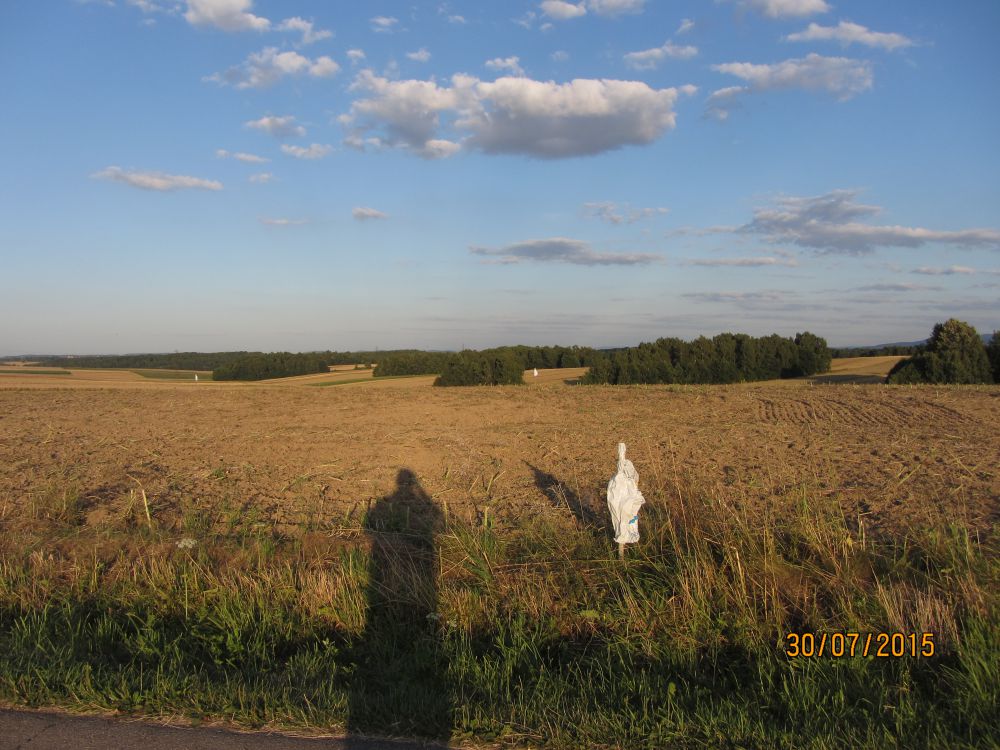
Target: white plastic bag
624, 500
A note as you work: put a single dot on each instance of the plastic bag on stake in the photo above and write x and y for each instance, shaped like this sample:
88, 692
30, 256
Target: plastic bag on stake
624, 500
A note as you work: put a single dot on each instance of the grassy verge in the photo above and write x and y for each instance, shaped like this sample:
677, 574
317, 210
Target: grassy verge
173, 374
411, 622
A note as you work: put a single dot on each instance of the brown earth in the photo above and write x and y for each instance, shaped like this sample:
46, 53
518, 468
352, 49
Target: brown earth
281, 456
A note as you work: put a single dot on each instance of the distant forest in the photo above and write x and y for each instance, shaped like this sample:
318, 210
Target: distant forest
172, 361
527, 357
274, 365
892, 350
726, 358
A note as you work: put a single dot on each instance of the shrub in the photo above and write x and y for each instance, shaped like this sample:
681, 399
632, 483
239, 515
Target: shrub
497, 367
954, 354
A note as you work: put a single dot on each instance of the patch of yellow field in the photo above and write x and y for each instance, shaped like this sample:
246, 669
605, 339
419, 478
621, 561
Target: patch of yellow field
858, 370
335, 375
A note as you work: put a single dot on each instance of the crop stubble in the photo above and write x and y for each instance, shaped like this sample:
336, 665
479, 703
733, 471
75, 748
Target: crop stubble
891, 458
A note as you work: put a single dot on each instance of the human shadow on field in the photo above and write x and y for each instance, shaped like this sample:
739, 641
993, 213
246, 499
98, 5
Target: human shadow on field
559, 495
400, 685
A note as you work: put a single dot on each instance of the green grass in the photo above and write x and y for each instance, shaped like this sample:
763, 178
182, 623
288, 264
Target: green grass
173, 374
21, 371
536, 634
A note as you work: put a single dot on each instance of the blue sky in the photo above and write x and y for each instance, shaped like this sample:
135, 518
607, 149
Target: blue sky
227, 174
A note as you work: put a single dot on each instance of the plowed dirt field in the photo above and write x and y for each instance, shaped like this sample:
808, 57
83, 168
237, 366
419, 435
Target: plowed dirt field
211, 453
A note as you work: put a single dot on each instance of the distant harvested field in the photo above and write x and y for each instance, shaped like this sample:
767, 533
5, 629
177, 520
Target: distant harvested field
858, 370
853, 370
174, 374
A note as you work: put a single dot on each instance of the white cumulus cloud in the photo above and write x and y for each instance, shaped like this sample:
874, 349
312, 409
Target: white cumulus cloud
650, 58
513, 64
228, 15
364, 213
160, 181
841, 77
616, 7
511, 115
686, 25
384, 24
310, 33
315, 151
560, 250
240, 156
561, 10
789, 8
267, 67
279, 127
421, 55
847, 33
261, 178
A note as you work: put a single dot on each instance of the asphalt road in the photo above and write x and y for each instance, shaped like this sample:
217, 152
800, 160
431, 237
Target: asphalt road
36, 730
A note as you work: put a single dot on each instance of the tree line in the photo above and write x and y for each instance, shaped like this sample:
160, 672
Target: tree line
955, 353
433, 363
167, 361
273, 365
893, 350
726, 358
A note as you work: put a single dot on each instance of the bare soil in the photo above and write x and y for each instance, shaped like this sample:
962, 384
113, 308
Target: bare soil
894, 457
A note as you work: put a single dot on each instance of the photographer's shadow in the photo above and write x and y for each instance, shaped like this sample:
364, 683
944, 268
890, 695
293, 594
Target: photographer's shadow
400, 685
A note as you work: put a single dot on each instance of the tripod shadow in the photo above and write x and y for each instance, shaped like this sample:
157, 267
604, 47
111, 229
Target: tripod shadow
400, 685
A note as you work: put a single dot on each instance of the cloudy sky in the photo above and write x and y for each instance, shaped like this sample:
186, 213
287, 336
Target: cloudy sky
254, 174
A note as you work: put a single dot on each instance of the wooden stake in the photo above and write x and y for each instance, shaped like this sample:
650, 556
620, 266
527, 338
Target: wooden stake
621, 550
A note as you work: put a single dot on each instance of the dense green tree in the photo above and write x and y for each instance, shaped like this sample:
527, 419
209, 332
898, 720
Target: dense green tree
492, 367
273, 365
954, 354
813, 354
726, 358
993, 352
411, 363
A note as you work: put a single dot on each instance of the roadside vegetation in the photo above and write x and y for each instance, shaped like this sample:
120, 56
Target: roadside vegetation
409, 621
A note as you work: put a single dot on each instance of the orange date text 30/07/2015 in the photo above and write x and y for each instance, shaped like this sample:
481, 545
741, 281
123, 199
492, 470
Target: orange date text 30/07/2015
837, 645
